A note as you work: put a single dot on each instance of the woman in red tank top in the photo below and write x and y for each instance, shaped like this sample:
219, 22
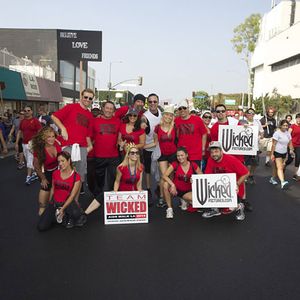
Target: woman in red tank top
45, 149
180, 185
130, 171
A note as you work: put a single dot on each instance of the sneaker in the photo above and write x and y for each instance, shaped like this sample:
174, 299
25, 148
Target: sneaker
21, 166
161, 202
33, 177
251, 180
211, 213
70, 223
191, 209
82, 192
58, 217
273, 181
184, 204
248, 206
240, 215
284, 185
169, 213
296, 178
81, 221
267, 164
28, 180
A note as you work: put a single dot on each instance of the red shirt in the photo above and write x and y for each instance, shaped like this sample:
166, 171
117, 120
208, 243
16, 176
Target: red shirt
63, 187
132, 137
182, 180
228, 164
105, 135
29, 128
295, 135
129, 182
189, 133
166, 142
50, 162
77, 121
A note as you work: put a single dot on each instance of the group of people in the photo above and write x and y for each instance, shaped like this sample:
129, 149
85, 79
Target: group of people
112, 149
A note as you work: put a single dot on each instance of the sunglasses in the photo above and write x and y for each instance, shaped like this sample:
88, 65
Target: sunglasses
207, 117
182, 108
131, 115
152, 102
87, 97
220, 111
134, 153
27, 110
251, 113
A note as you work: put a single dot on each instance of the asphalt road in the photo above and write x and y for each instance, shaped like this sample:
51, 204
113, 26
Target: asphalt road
184, 258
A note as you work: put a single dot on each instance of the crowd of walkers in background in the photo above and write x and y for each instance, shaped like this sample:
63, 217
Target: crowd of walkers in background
134, 149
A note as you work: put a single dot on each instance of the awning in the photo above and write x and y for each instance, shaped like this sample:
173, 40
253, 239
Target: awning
49, 91
14, 89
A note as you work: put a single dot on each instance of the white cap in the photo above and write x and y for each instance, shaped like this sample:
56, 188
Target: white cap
183, 103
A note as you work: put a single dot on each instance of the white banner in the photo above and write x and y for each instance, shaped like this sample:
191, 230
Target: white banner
241, 140
214, 190
125, 207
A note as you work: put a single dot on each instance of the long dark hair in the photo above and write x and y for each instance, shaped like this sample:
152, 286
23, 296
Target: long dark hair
67, 156
39, 142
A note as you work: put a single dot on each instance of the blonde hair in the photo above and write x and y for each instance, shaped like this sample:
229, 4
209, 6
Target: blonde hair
162, 123
125, 162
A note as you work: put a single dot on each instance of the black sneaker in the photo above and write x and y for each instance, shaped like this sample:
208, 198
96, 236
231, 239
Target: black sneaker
267, 164
248, 206
70, 223
251, 180
296, 178
240, 215
81, 221
161, 202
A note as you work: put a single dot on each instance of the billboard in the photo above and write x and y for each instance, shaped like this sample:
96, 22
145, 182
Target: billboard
79, 45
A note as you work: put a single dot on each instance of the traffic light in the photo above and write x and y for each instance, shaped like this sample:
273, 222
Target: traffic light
140, 80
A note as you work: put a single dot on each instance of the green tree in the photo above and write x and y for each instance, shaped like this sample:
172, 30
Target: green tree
244, 42
201, 100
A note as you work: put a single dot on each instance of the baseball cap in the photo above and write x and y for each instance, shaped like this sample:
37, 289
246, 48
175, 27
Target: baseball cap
132, 111
214, 144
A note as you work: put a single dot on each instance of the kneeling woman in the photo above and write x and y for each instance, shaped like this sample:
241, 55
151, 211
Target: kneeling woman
45, 149
181, 184
130, 171
63, 207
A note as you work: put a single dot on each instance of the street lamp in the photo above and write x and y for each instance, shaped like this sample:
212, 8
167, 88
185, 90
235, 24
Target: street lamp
109, 79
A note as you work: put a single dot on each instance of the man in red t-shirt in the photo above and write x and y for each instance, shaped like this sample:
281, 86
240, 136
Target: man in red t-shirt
105, 132
29, 127
191, 133
138, 104
295, 133
218, 162
75, 123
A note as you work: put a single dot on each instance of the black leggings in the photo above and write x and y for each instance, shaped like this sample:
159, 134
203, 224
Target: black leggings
47, 219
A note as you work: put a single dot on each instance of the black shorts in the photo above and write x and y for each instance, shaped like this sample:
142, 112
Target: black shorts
251, 160
181, 193
169, 158
279, 155
48, 175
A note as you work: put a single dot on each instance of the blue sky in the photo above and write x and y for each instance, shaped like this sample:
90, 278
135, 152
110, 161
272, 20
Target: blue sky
177, 46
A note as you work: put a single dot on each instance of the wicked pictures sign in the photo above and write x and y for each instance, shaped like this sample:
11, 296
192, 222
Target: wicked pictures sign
214, 190
125, 207
241, 140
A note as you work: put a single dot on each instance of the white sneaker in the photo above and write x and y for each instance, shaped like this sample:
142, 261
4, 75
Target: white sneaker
184, 204
169, 213
273, 181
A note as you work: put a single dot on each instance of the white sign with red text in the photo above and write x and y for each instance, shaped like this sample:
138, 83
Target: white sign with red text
214, 190
125, 207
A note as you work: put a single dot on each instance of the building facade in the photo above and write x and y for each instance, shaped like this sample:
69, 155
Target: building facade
276, 59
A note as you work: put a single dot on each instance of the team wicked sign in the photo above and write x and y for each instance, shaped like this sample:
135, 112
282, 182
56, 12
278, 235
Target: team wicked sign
214, 190
239, 139
125, 207
79, 45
